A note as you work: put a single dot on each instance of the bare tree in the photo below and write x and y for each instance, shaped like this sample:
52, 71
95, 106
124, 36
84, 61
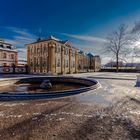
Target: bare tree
136, 27
136, 32
118, 44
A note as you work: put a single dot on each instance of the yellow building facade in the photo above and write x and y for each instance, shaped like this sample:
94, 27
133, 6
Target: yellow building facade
52, 56
8, 54
83, 62
55, 56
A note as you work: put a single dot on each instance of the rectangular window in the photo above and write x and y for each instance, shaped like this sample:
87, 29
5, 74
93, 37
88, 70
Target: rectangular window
58, 49
66, 51
73, 53
44, 64
38, 50
67, 63
12, 56
73, 64
4, 55
45, 49
31, 63
58, 62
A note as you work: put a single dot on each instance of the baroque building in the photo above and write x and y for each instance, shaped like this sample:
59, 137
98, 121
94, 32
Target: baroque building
52, 55
8, 54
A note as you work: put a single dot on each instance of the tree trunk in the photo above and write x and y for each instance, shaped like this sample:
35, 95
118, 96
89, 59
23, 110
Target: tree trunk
117, 63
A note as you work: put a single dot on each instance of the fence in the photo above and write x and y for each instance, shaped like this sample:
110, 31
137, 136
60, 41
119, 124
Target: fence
13, 70
120, 70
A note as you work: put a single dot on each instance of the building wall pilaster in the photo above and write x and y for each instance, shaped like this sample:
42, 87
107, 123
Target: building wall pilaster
76, 61
70, 60
51, 64
62, 60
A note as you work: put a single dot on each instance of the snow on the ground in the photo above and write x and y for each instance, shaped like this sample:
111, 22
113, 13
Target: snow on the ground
114, 86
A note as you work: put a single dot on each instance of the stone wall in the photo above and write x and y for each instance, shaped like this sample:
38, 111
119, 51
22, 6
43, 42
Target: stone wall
13, 70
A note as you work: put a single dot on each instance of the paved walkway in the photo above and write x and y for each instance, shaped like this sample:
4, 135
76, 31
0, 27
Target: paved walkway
110, 112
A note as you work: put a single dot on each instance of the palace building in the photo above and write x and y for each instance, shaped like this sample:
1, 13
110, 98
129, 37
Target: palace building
52, 55
8, 54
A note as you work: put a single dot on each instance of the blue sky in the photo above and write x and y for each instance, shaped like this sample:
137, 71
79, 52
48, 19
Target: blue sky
86, 23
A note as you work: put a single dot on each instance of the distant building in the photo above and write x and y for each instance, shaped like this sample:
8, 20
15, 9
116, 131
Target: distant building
83, 62
132, 65
8, 54
52, 55
94, 62
22, 62
114, 64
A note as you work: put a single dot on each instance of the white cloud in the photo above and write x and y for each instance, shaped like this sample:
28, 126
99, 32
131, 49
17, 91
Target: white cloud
23, 38
20, 38
21, 32
94, 45
85, 38
95, 49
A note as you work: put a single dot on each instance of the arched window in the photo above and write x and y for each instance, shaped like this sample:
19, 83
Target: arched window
4, 55
38, 50
12, 56
66, 51
31, 63
35, 50
31, 50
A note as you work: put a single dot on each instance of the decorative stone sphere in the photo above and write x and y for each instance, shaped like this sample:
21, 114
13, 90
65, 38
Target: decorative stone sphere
46, 84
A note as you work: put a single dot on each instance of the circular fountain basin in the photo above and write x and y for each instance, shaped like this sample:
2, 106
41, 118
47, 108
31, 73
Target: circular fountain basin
25, 88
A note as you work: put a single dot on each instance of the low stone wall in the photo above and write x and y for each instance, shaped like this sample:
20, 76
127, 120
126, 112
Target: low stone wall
13, 70
120, 70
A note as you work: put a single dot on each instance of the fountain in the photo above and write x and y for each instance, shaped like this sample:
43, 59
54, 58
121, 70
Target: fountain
46, 84
42, 87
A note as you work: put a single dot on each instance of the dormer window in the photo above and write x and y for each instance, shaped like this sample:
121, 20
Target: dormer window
1, 46
8, 47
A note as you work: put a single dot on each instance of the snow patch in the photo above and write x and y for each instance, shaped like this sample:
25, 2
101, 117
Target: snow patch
135, 112
60, 119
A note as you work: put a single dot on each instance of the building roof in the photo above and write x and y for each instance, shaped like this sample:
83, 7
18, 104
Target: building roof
90, 54
64, 42
53, 38
81, 52
3, 42
6, 46
47, 39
